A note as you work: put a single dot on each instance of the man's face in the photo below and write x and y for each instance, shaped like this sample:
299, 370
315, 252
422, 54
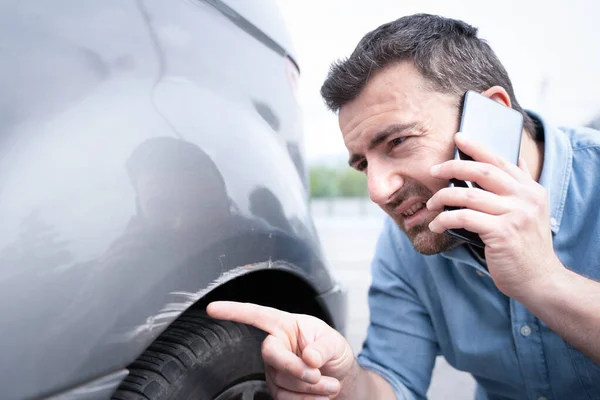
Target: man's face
395, 131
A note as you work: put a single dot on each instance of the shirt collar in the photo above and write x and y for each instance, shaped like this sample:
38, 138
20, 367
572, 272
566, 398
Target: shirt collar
556, 172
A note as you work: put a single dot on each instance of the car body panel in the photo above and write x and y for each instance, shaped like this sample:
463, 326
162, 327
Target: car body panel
259, 22
101, 388
148, 152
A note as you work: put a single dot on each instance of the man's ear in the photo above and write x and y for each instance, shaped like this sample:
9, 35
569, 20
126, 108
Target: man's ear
499, 94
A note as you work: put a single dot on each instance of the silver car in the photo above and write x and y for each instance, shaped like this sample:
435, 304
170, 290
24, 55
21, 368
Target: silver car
150, 162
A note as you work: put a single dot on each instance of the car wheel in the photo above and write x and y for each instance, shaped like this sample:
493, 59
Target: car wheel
199, 358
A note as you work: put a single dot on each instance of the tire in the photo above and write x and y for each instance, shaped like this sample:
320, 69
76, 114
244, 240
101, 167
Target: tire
199, 358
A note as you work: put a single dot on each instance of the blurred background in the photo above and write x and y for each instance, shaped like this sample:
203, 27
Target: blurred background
551, 51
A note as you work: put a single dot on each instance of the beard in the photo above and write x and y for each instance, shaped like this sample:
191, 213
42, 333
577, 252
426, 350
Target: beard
423, 240
429, 243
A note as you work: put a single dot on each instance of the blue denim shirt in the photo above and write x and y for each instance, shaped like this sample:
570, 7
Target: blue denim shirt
424, 306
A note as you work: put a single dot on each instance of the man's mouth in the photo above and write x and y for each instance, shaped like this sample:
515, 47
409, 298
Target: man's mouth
413, 209
409, 207
413, 212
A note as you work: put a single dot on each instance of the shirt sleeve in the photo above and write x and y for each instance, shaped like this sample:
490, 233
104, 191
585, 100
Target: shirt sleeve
401, 344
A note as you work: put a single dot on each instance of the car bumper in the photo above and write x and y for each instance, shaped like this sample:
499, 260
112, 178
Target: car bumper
335, 304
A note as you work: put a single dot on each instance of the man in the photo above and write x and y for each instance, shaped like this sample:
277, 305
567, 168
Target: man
524, 315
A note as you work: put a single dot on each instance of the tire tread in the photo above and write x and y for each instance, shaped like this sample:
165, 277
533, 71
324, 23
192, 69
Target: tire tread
174, 353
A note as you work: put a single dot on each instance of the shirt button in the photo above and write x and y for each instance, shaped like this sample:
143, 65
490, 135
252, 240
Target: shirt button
553, 223
480, 273
526, 331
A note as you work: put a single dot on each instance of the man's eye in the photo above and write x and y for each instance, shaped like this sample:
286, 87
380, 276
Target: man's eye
397, 141
361, 166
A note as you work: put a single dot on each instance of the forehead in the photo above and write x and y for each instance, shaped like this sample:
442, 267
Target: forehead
396, 94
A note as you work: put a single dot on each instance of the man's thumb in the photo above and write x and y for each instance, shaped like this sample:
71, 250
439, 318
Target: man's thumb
323, 350
313, 357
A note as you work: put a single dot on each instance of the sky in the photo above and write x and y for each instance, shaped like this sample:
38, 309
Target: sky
551, 50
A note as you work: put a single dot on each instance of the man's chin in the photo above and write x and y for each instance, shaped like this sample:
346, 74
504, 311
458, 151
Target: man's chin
429, 243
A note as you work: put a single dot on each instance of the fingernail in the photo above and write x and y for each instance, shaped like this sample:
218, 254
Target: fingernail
311, 375
431, 226
459, 135
428, 204
435, 169
332, 387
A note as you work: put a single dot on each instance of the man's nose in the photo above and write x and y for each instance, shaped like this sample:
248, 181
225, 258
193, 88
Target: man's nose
383, 181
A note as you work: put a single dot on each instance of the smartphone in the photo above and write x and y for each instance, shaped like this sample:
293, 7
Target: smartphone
497, 128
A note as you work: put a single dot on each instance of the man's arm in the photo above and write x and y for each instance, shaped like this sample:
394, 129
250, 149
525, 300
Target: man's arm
365, 384
570, 305
306, 357
512, 217
401, 343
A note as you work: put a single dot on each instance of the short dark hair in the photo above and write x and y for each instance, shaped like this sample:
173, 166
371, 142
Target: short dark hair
447, 52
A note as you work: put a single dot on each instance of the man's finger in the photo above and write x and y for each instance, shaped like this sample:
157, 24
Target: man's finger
326, 386
470, 220
283, 394
524, 167
481, 153
471, 198
264, 318
327, 347
488, 176
276, 355
272, 387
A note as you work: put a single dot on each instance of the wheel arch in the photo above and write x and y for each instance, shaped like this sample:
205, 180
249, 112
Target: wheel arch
280, 288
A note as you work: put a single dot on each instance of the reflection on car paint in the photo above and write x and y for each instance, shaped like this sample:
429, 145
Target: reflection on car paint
149, 152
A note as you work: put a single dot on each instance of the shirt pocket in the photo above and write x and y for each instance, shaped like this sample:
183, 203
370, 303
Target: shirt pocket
587, 371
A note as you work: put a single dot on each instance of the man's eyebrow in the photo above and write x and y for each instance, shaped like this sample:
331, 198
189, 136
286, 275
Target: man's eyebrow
381, 137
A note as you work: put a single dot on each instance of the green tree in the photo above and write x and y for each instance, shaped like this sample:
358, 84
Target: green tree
323, 182
352, 183
337, 182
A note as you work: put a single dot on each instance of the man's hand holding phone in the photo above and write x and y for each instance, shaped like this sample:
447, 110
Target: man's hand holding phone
509, 212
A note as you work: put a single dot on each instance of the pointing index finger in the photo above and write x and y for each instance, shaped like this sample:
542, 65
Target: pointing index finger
264, 318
